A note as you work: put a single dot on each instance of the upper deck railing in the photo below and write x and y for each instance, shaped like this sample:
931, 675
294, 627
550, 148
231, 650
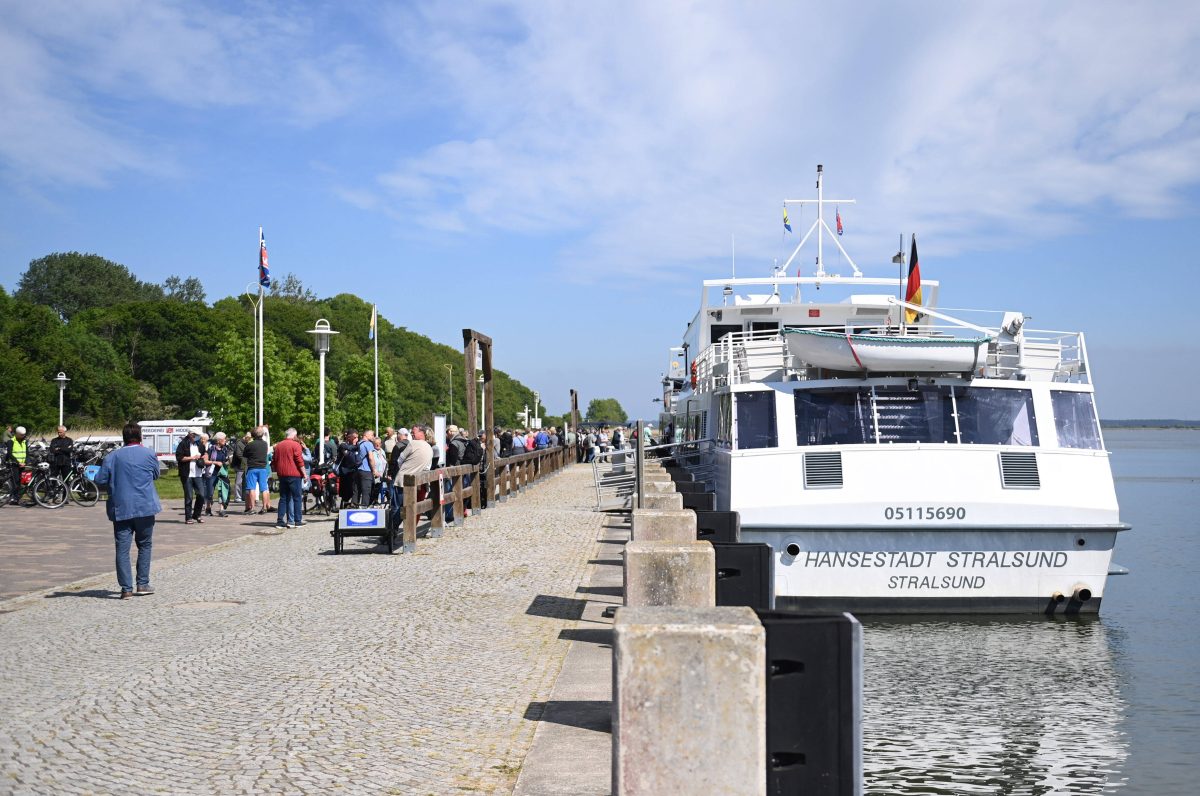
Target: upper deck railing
1034, 355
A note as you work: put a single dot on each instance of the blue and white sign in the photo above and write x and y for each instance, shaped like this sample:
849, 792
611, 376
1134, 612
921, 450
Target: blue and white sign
362, 518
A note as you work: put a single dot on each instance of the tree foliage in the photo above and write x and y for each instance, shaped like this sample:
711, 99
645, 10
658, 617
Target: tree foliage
135, 351
606, 410
70, 282
186, 290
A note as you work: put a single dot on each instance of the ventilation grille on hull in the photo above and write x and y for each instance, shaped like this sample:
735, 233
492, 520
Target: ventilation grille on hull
822, 470
1019, 471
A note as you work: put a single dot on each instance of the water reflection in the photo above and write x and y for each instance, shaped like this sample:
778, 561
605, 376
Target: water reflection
991, 705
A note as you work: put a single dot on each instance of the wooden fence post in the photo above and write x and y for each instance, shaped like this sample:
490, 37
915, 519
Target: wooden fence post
459, 504
410, 513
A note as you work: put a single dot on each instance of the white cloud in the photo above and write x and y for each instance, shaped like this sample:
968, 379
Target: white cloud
74, 73
653, 131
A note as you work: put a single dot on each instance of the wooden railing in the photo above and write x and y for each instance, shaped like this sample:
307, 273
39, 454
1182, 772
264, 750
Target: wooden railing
505, 478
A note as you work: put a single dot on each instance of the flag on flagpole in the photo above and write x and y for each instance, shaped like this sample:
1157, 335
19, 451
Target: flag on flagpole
838, 215
374, 313
786, 224
913, 293
264, 273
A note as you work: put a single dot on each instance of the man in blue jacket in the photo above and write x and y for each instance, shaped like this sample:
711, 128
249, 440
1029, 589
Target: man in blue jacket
129, 474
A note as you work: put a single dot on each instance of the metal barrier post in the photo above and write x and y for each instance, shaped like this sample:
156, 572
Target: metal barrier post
639, 466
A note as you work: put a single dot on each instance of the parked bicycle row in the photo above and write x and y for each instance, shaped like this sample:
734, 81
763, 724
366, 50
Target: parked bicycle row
49, 474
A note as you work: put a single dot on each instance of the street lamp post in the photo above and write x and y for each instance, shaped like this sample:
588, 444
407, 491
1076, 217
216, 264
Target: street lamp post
62, 380
450, 381
321, 336
253, 293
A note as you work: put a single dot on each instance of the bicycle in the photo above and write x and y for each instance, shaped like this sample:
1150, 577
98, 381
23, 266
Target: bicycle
35, 480
81, 484
321, 495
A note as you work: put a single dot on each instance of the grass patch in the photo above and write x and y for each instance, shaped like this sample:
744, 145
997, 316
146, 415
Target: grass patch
169, 486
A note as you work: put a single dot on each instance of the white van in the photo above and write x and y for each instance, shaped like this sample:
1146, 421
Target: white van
163, 436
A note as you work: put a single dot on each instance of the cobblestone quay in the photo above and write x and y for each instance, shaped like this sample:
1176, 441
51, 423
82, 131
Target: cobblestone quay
267, 665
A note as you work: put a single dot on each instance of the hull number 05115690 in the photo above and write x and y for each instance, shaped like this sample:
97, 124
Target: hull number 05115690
925, 513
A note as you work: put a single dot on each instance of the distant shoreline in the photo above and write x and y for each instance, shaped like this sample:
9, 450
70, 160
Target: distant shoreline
1191, 425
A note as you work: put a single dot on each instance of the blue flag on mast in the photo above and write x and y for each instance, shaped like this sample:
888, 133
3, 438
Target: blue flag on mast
264, 273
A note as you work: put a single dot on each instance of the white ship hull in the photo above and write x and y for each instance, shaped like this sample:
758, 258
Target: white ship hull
926, 528
914, 570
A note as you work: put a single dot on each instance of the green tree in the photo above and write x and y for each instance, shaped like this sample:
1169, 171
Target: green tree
231, 398
605, 410
292, 289
99, 392
71, 282
186, 290
356, 394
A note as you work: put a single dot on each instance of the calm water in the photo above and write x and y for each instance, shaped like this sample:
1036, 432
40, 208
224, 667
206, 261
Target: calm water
1039, 706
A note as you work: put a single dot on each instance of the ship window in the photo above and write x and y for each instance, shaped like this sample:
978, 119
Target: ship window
920, 415
833, 417
994, 416
719, 330
764, 330
756, 420
725, 420
1075, 420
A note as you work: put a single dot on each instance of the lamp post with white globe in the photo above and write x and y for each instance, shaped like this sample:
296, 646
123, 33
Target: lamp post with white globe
322, 334
62, 380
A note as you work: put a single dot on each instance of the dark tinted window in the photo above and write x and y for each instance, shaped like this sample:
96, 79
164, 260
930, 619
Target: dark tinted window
756, 420
834, 417
992, 416
921, 415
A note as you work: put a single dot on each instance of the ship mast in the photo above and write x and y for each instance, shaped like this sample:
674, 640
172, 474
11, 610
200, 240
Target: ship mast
820, 227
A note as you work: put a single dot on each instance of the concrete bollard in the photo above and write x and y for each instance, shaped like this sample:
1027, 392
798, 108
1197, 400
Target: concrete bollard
670, 573
659, 500
689, 702
656, 525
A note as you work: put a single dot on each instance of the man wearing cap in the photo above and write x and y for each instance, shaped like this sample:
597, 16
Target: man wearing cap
129, 474
188, 456
15, 452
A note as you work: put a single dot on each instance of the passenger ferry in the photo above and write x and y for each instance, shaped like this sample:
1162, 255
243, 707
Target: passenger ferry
896, 458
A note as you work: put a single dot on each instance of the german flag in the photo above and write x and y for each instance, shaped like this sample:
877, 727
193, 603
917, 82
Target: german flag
913, 293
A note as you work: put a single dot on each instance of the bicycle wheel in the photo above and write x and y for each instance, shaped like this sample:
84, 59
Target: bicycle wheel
50, 492
83, 491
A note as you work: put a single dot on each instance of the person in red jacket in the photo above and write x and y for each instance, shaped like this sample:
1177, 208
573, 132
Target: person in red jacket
289, 466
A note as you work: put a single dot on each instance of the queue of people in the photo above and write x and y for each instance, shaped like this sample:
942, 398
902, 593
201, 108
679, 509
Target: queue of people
218, 470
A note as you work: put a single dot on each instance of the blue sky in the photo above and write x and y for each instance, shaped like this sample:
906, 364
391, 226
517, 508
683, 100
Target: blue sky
561, 175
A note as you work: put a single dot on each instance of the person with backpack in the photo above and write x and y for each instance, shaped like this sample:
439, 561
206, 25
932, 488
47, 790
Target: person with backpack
347, 463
